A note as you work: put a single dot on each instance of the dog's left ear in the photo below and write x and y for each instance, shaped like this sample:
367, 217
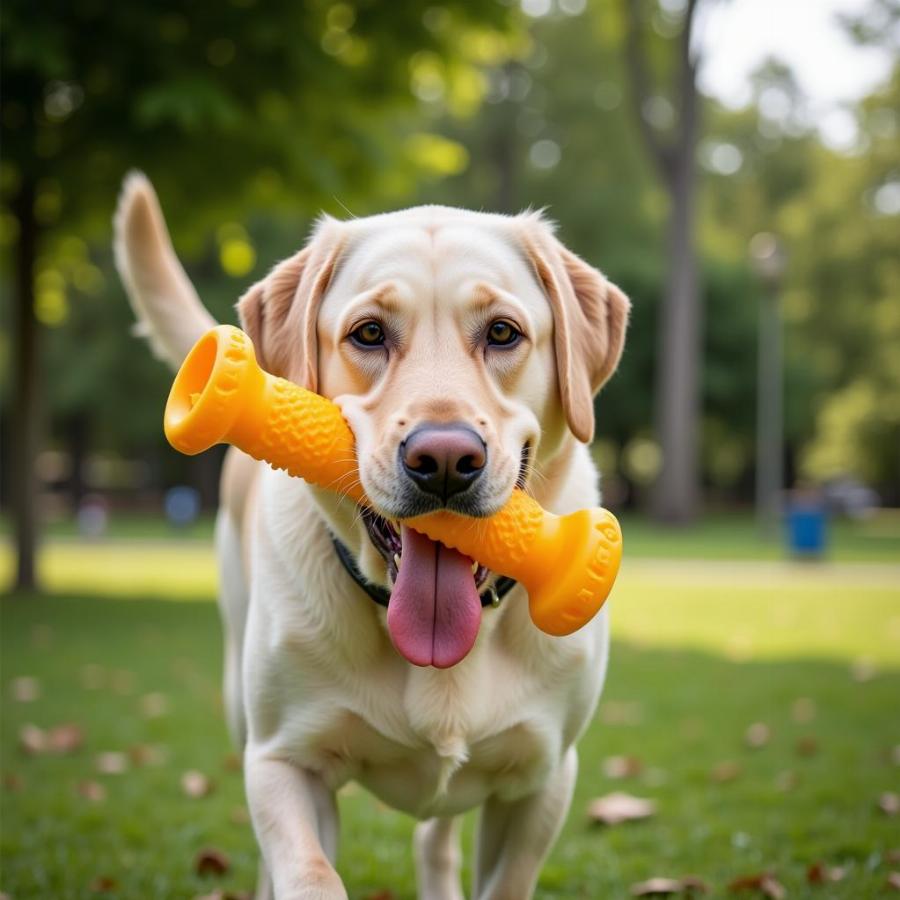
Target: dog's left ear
280, 311
590, 316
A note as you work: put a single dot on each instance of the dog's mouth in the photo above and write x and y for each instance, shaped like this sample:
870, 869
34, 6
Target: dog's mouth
385, 535
435, 607
434, 612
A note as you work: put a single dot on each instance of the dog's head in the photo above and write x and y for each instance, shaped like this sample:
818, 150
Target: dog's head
464, 350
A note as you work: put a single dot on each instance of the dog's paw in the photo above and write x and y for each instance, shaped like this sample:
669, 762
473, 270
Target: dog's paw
317, 881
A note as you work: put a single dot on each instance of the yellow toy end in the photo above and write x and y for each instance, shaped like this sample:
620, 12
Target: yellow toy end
218, 379
566, 596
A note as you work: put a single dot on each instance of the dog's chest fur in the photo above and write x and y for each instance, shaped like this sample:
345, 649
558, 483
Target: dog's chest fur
426, 772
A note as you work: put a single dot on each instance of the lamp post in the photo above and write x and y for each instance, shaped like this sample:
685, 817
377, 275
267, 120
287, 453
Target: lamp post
768, 260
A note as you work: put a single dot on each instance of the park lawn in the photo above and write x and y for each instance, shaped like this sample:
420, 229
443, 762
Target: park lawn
143, 556
701, 652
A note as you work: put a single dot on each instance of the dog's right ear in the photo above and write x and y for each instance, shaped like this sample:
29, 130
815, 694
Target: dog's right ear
279, 312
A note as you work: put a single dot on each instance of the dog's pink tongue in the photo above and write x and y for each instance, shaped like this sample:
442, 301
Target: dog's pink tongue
435, 610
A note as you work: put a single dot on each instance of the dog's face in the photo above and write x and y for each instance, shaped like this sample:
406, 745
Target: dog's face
464, 350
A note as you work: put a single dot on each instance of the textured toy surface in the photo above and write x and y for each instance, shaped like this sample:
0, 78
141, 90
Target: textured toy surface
567, 563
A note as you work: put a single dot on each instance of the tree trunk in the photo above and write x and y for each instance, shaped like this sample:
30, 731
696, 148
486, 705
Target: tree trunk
677, 397
676, 493
25, 401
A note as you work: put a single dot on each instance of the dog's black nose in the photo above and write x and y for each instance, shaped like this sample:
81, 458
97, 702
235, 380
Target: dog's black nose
443, 459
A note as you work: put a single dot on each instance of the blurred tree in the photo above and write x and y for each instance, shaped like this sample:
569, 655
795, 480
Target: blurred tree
845, 298
848, 279
838, 211
563, 117
670, 128
227, 106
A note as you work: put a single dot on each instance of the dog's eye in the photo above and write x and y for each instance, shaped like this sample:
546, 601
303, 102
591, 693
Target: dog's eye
502, 334
369, 334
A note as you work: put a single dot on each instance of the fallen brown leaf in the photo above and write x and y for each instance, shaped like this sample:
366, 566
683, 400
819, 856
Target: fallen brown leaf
210, 861
820, 873
757, 735
92, 791
112, 762
232, 763
65, 738
806, 746
380, 895
13, 782
60, 739
196, 784
225, 895
148, 754
726, 771
664, 887
622, 767
893, 856
25, 689
32, 740
618, 807
893, 881
889, 803
103, 884
765, 883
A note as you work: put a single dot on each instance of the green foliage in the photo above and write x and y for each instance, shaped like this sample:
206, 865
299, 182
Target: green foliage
253, 119
842, 280
231, 108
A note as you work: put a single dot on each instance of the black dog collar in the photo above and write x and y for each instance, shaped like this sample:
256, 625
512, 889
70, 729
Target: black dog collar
382, 596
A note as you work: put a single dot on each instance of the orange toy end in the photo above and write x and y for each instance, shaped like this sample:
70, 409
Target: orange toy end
567, 597
201, 410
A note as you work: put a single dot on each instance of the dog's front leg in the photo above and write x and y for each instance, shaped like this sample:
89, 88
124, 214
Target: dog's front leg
295, 819
515, 838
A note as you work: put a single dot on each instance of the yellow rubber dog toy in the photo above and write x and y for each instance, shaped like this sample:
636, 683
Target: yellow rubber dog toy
567, 563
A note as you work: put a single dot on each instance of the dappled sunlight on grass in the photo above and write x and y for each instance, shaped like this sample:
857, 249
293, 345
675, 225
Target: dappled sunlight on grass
746, 610
175, 570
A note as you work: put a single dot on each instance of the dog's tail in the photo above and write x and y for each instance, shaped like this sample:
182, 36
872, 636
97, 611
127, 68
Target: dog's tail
169, 312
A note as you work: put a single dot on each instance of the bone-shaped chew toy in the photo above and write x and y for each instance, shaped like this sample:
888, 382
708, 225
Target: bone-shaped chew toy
567, 563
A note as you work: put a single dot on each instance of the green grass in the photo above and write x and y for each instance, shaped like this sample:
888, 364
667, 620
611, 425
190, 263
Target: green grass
701, 651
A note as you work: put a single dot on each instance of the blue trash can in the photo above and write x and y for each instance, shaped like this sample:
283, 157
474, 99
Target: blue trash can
807, 528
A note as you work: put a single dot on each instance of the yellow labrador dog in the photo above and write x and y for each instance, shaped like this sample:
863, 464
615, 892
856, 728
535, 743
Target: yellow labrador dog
464, 350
